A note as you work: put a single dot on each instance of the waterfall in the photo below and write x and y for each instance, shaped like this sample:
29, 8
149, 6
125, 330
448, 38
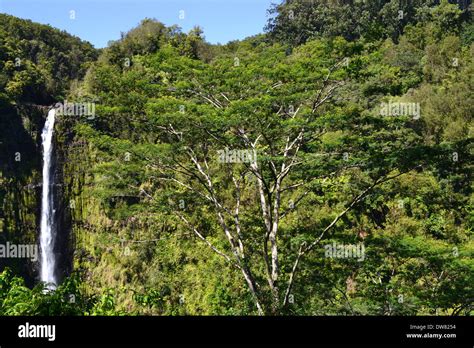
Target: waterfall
48, 232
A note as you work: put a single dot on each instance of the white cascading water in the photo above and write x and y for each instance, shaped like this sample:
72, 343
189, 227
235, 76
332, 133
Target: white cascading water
48, 232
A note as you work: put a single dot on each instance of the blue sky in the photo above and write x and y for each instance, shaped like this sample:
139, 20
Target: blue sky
99, 21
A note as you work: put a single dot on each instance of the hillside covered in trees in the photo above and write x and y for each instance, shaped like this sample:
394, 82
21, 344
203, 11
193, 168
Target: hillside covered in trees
323, 167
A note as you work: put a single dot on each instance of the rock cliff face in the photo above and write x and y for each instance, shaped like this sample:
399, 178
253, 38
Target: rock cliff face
38, 65
20, 187
69, 175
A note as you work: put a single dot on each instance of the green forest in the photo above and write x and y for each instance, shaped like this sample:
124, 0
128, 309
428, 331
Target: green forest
323, 167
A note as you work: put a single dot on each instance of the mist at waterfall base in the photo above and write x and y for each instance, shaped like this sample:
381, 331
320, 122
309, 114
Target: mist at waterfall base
48, 232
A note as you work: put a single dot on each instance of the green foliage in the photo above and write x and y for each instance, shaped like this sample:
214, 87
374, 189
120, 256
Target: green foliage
297, 21
150, 37
68, 299
159, 208
37, 62
186, 104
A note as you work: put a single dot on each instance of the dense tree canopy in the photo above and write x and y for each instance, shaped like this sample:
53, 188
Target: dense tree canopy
38, 62
214, 179
296, 21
